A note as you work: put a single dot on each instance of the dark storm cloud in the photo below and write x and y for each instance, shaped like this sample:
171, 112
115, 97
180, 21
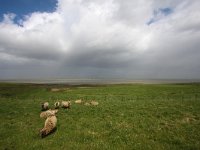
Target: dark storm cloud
99, 57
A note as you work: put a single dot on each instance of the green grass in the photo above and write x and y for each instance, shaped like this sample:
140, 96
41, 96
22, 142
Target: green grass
136, 116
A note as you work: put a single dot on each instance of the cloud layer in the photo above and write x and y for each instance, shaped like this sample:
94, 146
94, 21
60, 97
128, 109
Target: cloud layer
104, 38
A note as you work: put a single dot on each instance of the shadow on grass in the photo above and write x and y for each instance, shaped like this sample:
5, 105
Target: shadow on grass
45, 135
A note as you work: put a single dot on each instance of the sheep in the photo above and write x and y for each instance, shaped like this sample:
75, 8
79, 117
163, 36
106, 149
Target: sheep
49, 126
45, 106
87, 104
48, 113
94, 103
57, 105
79, 101
66, 104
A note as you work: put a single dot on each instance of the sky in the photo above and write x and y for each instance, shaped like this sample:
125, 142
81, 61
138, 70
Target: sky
126, 39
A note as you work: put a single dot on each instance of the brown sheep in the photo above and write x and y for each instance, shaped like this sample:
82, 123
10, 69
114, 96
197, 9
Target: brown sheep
49, 126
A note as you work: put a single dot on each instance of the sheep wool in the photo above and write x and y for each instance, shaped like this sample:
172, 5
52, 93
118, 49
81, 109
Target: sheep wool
66, 104
94, 103
45, 106
79, 101
49, 126
48, 113
57, 105
87, 104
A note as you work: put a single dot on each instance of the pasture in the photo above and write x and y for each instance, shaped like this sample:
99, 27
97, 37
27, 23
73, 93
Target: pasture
129, 116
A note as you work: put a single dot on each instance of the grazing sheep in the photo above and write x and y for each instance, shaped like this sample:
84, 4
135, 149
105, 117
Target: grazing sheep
45, 106
49, 126
57, 105
79, 101
66, 104
87, 104
94, 103
48, 113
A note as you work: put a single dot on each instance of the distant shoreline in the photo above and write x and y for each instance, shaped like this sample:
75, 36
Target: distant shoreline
100, 81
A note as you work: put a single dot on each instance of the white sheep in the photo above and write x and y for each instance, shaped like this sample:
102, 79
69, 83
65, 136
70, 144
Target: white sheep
94, 103
87, 104
45, 106
48, 113
57, 105
66, 104
79, 101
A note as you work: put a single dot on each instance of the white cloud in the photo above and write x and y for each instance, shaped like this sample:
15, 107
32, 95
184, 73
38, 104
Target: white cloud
108, 38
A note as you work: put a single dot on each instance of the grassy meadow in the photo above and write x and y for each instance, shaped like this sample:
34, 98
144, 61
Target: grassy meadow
129, 116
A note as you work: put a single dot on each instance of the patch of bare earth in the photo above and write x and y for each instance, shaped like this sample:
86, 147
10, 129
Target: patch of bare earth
55, 90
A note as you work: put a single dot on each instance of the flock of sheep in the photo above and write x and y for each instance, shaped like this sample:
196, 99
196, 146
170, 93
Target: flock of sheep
50, 114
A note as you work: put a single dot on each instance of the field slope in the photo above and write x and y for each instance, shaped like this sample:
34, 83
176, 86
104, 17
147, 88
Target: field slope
135, 116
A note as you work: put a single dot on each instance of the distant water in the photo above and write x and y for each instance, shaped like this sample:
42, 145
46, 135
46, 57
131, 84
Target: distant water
99, 81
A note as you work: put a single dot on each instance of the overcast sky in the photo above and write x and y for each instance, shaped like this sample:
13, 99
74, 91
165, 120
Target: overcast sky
137, 39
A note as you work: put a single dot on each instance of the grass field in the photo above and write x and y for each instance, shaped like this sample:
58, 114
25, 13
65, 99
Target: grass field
137, 116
